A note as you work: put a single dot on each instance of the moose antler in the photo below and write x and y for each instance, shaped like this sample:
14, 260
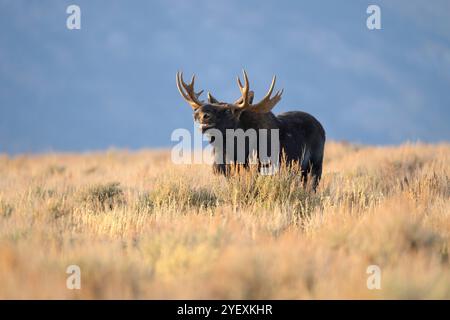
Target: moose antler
265, 105
187, 91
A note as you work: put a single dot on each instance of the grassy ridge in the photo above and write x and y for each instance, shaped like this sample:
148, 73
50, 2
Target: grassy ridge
141, 227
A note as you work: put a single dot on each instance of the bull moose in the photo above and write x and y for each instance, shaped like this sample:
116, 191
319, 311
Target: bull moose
301, 136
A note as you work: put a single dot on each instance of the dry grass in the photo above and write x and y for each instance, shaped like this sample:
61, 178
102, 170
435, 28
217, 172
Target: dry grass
141, 227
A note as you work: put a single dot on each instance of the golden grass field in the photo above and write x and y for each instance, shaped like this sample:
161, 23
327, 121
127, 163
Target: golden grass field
141, 227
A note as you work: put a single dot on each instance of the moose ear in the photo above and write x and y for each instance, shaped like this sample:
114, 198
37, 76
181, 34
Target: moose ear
211, 99
236, 112
251, 95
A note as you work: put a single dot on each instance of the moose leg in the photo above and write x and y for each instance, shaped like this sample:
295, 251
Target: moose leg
305, 177
317, 174
306, 170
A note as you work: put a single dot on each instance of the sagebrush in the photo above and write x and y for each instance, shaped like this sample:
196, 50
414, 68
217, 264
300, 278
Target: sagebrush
141, 227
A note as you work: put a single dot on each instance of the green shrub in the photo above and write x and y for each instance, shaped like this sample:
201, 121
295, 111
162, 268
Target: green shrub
103, 197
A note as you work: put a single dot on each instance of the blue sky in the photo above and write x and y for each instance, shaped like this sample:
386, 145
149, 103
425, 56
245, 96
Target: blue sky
112, 83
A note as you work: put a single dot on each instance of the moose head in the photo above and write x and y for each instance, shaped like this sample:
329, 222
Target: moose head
215, 114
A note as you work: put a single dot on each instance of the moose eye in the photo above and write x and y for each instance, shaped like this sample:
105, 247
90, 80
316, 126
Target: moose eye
206, 116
